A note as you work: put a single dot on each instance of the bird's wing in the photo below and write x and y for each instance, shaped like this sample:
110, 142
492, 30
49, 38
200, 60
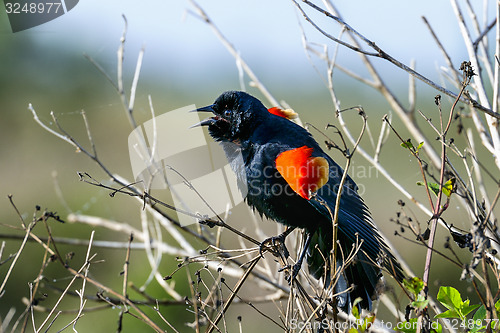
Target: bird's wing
297, 167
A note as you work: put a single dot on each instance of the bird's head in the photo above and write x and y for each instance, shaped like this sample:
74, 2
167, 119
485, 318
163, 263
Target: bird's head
236, 114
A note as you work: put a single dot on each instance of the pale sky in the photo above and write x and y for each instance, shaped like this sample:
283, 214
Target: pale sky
267, 33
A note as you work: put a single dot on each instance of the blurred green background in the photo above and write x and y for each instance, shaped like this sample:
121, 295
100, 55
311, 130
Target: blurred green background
185, 64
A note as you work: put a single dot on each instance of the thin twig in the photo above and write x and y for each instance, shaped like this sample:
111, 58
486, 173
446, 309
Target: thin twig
18, 253
235, 291
384, 55
255, 81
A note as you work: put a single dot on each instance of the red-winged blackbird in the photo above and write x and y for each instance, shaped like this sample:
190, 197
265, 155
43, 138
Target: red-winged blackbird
289, 179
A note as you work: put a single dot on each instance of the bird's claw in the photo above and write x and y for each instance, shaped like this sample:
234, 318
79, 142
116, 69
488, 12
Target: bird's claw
294, 272
275, 245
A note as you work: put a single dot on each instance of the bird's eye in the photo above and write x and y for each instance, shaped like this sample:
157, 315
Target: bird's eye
227, 113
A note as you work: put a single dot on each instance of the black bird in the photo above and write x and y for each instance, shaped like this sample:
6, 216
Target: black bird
288, 178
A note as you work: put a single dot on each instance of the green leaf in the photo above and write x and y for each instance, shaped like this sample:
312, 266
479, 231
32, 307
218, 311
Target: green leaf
432, 186
497, 307
450, 298
355, 310
436, 327
407, 144
479, 317
480, 314
420, 146
476, 329
367, 322
414, 285
466, 309
448, 187
420, 303
448, 314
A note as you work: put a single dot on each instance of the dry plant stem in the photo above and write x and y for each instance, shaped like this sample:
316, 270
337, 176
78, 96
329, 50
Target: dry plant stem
133, 87
496, 83
152, 208
379, 85
490, 302
479, 86
480, 44
477, 171
125, 282
155, 257
157, 309
398, 186
53, 321
155, 210
73, 322
214, 292
382, 54
446, 56
145, 196
314, 308
420, 163
69, 139
209, 301
2, 248
235, 291
171, 228
76, 274
165, 248
73, 142
129, 106
309, 301
386, 174
406, 116
204, 17
30, 285
126, 266
14, 261
262, 313
81, 292
23, 314
341, 186
331, 66
474, 205
437, 206
63, 293
493, 204
18, 253
194, 301
34, 290
120, 297
381, 139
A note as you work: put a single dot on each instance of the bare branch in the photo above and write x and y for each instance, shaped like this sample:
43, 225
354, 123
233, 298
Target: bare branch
384, 55
240, 62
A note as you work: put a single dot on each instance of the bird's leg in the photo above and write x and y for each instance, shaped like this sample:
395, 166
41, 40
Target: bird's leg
298, 264
270, 244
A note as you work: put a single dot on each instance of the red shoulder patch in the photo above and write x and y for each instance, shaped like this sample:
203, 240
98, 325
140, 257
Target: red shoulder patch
287, 113
304, 174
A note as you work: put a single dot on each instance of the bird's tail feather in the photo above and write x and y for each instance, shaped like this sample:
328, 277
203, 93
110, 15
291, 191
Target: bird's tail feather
359, 277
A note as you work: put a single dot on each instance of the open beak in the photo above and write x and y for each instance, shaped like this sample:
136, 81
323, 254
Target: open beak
205, 122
